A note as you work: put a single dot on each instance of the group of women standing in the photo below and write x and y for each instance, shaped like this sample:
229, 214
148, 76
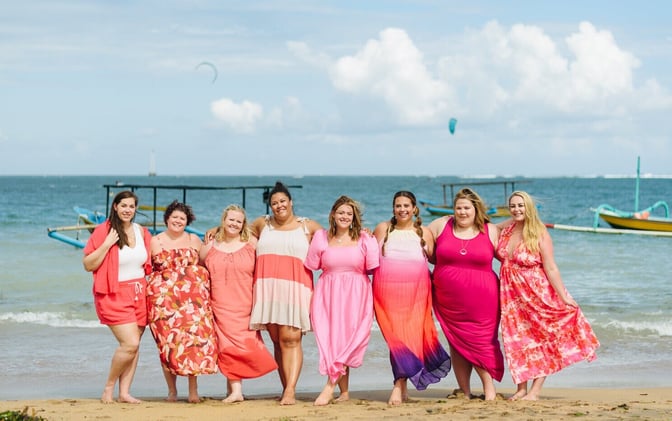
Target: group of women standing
206, 304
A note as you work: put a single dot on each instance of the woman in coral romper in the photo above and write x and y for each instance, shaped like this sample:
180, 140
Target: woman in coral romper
230, 261
543, 328
342, 307
178, 303
402, 299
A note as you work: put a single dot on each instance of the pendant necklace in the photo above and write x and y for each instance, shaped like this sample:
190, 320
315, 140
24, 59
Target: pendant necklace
463, 250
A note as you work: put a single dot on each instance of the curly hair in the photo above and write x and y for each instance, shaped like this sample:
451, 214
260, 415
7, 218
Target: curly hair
179, 206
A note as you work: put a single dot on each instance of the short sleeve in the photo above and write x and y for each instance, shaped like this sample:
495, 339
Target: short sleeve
317, 246
371, 251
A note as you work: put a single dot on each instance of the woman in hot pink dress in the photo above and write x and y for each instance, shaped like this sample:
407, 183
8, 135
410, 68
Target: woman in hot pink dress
466, 292
342, 306
230, 261
543, 328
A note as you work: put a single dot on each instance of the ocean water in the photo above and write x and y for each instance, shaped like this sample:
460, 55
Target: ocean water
54, 347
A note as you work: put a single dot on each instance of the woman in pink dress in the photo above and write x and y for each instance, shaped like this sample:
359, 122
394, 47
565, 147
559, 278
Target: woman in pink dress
342, 307
402, 299
178, 303
230, 260
466, 292
543, 328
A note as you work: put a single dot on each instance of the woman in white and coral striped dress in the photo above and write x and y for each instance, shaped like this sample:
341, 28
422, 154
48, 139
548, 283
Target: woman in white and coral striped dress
283, 287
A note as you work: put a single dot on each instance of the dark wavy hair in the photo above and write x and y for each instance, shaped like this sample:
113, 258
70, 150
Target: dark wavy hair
179, 206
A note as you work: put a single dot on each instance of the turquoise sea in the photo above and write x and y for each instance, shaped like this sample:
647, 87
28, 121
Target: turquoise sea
53, 346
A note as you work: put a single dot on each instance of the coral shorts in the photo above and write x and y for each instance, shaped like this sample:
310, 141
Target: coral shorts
127, 305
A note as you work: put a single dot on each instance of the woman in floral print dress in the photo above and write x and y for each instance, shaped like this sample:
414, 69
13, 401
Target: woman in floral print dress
178, 303
543, 329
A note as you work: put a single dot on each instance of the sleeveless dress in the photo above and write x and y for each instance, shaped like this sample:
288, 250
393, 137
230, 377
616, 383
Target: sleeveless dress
242, 353
283, 286
179, 312
342, 307
402, 302
541, 334
466, 298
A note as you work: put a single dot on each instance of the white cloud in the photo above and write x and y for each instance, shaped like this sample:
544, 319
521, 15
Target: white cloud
241, 118
392, 68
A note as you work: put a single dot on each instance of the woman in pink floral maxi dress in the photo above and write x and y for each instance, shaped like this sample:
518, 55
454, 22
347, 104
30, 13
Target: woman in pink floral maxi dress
543, 329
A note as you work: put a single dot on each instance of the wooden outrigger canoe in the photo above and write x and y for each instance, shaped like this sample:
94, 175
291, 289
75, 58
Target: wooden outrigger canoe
87, 220
446, 208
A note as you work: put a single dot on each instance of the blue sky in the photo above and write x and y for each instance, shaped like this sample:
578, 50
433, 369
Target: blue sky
335, 87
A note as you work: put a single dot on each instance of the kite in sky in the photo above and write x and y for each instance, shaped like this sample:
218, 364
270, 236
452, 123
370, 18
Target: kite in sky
451, 125
212, 66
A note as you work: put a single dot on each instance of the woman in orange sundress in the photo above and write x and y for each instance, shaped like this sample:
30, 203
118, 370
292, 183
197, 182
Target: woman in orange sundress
230, 260
543, 329
178, 303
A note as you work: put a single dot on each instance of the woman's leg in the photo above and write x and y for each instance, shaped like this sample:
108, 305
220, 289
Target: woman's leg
488, 384
535, 390
291, 359
462, 369
171, 382
399, 392
124, 361
235, 388
193, 390
344, 386
520, 392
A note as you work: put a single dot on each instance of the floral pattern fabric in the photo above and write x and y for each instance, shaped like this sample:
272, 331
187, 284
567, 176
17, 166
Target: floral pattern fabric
179, 312
541, 334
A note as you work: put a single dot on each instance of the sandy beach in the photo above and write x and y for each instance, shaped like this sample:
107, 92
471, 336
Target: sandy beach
556, 404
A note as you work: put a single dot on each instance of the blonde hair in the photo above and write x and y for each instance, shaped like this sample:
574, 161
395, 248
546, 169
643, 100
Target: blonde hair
481, 213
533, 228
417, 223
244, 232
355, 226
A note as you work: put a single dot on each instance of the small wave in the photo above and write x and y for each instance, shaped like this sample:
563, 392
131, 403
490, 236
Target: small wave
662, 327
48, 319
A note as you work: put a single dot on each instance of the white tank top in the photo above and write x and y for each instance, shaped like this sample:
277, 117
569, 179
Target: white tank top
132, 259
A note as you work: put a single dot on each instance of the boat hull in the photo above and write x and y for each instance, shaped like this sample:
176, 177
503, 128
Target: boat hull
650, 224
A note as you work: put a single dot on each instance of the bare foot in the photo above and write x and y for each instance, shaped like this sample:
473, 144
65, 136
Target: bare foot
128, 399
395, 396
343, 397
233, 398
172, 397
518, 395
108, 395
288, 397
194, 399
530, 397
325, 398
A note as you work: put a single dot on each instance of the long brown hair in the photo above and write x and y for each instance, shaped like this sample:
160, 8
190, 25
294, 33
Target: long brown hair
417, 223
355, 226
115, 221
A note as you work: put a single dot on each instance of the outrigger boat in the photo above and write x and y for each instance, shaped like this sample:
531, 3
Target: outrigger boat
87, 219
639, 222
446, 208
639, 219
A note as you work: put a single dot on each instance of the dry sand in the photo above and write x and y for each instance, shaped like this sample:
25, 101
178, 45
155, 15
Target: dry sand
556, 404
